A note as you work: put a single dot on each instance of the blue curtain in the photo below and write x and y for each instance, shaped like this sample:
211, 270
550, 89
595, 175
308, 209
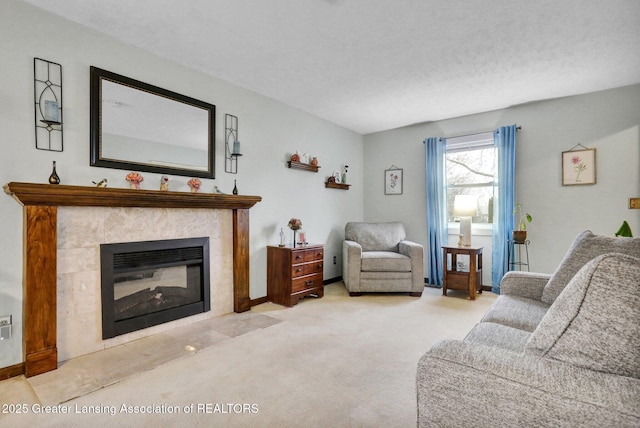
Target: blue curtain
505, 140
436, 206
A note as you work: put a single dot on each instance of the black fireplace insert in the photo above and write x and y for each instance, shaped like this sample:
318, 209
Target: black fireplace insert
153, 282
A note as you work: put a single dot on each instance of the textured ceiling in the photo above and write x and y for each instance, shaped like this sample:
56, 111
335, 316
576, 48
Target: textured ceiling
372, 65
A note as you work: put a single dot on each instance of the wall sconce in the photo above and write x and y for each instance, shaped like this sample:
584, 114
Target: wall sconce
231, 138
465, 207
47, 94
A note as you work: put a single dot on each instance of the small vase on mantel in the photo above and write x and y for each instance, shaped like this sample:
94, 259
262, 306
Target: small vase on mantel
235, 188
53, 178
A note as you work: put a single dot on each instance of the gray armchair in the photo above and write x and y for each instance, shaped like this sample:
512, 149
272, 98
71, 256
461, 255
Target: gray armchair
376, 257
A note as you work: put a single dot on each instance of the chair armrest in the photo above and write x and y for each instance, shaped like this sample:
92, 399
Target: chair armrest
416, 253
462, 384
524, 284
351, 263
410, 249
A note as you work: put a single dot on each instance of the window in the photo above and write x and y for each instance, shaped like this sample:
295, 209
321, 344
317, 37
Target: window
470, 165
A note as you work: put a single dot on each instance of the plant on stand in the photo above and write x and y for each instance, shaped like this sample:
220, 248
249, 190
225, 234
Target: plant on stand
522, 218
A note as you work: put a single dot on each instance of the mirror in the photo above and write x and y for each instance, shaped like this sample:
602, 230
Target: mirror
140, 127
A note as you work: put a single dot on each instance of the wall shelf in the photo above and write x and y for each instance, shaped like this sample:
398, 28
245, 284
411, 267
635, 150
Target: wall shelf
303, 166
331, 185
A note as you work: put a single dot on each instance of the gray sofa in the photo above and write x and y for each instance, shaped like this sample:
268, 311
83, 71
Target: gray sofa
553, 350
377, 257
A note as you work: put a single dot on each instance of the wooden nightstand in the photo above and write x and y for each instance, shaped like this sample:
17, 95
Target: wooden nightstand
293, 273
454, 279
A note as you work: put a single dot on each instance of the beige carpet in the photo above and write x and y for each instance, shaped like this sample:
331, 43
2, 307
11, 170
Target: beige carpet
338, 361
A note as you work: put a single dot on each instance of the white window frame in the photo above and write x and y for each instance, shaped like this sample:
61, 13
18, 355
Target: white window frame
464, 143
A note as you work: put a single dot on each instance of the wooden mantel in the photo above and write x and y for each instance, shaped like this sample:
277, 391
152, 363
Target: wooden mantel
40, 203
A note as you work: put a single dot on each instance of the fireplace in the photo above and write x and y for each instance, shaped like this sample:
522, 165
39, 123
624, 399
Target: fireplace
152, 282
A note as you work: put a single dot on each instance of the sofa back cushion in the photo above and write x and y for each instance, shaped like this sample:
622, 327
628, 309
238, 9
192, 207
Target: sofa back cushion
595, 322
585, 248
375, 236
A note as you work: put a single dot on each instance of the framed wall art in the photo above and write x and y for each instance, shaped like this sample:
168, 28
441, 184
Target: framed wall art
579, 166
393, 181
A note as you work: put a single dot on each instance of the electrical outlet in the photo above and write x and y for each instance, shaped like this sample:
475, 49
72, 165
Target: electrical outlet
334, 260
634, 203
6, 320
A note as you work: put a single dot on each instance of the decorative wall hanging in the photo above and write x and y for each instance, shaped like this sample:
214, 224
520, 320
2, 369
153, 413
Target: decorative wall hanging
578, 166
47, 95
393, 181
231, 144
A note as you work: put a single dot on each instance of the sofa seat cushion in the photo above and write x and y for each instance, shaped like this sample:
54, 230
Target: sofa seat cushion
517, 312
385, 261
585, 248
595, 322
498, 335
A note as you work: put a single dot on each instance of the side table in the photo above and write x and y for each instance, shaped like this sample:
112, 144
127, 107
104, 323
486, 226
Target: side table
454, 279
294, 272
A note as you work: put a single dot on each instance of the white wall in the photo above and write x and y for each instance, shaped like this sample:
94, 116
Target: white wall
269, 131
608, 121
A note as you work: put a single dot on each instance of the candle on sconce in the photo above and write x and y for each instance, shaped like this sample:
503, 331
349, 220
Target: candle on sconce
236, 148
51, 111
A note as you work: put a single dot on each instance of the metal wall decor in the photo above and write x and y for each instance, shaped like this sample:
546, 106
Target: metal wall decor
232, 153
47, 95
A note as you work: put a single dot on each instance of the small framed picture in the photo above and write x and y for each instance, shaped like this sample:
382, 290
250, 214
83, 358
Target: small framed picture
579, 167
393, 181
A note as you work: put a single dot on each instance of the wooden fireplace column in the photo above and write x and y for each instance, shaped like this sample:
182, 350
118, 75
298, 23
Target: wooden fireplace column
41, 203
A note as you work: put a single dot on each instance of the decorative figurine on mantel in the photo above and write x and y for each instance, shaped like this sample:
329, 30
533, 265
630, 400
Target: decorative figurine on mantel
134, 179
53, 178
101, 183
194, 185
164, 183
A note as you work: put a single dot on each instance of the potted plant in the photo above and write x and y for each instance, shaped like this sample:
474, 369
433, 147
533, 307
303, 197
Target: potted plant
519, 235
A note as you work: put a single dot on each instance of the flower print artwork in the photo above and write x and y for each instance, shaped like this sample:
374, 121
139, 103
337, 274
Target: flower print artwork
393, 182
579, 167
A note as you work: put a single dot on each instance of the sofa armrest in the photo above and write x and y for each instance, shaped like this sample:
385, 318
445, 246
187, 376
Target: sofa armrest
524, 284
462, 384
351, 263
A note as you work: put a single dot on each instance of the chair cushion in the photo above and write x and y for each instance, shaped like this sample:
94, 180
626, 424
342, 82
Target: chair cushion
517, 312
385, 261
595, 322
375, 236
585, 248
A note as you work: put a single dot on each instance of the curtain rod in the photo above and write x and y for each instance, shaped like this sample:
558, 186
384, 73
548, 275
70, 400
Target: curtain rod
475, 133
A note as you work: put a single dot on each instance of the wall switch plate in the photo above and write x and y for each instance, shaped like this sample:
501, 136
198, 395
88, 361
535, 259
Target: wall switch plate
5, 320
5, 332
634, 203
334, 260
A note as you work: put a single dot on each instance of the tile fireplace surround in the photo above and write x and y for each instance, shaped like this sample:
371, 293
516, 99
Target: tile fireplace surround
63, 228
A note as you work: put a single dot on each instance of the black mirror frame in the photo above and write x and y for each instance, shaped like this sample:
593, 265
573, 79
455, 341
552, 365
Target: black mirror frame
96, 77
